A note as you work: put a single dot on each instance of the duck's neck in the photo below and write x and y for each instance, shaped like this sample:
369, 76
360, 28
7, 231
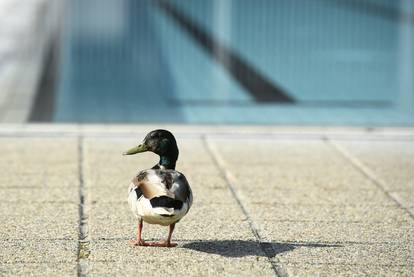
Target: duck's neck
168, 159
167, 162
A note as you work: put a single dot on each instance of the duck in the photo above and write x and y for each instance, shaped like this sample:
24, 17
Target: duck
159, 195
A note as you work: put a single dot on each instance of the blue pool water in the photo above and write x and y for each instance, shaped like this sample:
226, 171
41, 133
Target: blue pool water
229, 61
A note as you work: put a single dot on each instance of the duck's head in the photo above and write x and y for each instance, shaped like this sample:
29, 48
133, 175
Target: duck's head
162, 143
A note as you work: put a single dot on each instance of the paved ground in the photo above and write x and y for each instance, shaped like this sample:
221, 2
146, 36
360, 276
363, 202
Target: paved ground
268, 201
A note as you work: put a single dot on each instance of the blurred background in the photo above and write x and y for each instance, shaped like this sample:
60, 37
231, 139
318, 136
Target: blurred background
285, 62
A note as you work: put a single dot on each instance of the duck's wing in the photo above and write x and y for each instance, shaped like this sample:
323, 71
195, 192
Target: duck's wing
180, 187
152, 183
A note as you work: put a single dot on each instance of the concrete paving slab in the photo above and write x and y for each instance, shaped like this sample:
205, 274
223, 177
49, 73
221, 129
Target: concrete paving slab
24, 159
273, 150
38, 251
315, 195
39, 203
213, 196
192, 151
39, 269
202, 268
115, 194
347, 270
339, 177
312, 195
204, 175
405, 198
328, 213
337, 231
26, 218
112, 179
39, 194
32, 209
390, 161
39, 220
43, 179
384, 254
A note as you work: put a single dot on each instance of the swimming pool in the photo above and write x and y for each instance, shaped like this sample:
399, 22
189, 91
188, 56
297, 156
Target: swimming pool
237, 62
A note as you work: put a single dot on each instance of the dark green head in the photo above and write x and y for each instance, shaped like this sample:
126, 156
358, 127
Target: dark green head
162, 143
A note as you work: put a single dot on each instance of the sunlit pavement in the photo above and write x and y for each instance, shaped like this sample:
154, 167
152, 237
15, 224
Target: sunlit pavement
267, 201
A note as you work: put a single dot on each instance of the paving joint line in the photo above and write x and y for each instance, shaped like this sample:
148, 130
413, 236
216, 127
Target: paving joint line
367, 172
230, 180
83, 241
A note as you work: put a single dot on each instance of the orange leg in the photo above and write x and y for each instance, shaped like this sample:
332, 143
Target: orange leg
166, 243
138, 241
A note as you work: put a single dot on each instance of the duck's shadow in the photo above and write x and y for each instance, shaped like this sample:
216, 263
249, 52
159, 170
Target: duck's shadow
242, 248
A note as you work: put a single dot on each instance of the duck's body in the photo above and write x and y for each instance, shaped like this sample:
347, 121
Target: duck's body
160, 195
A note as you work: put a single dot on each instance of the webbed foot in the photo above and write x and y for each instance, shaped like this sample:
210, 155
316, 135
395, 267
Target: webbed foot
162, 244
135, 242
